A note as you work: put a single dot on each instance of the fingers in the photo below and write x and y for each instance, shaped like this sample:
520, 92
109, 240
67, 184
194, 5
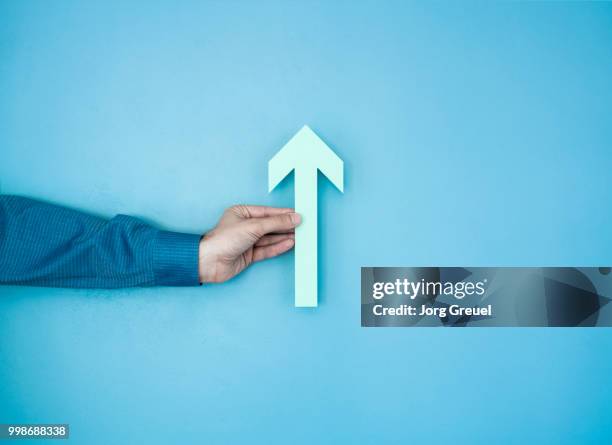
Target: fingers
250, 211
272, 250
284, 222
263, 211
273, 239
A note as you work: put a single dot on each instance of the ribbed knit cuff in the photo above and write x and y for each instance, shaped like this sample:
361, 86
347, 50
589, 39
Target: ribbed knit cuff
175, 259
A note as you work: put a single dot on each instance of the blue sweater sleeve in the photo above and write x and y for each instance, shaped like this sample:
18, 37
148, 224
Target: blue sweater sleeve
47, 245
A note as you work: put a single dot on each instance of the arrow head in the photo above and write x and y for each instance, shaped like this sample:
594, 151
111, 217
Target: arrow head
306, 150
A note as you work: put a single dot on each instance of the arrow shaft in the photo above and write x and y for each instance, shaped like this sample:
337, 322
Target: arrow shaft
306, 237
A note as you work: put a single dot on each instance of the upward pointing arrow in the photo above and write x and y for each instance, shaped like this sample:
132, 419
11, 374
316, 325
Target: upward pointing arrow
306, 153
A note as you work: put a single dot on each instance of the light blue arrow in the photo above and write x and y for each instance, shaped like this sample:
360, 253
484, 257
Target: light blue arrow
306, 153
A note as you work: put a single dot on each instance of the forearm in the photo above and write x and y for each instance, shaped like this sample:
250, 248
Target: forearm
47, 245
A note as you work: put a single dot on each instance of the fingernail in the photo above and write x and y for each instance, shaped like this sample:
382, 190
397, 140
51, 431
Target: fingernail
296, 218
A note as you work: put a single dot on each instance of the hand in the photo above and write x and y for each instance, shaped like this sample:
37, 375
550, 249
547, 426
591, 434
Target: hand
245, 234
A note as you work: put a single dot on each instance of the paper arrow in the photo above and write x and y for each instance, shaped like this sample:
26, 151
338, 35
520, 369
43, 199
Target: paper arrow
306, 153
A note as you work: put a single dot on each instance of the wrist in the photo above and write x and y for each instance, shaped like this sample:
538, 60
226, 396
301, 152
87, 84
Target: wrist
206, 264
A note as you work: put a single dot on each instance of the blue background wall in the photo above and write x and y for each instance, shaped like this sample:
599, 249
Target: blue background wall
475, 134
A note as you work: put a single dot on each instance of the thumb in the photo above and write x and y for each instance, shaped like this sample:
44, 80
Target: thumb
278, 223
